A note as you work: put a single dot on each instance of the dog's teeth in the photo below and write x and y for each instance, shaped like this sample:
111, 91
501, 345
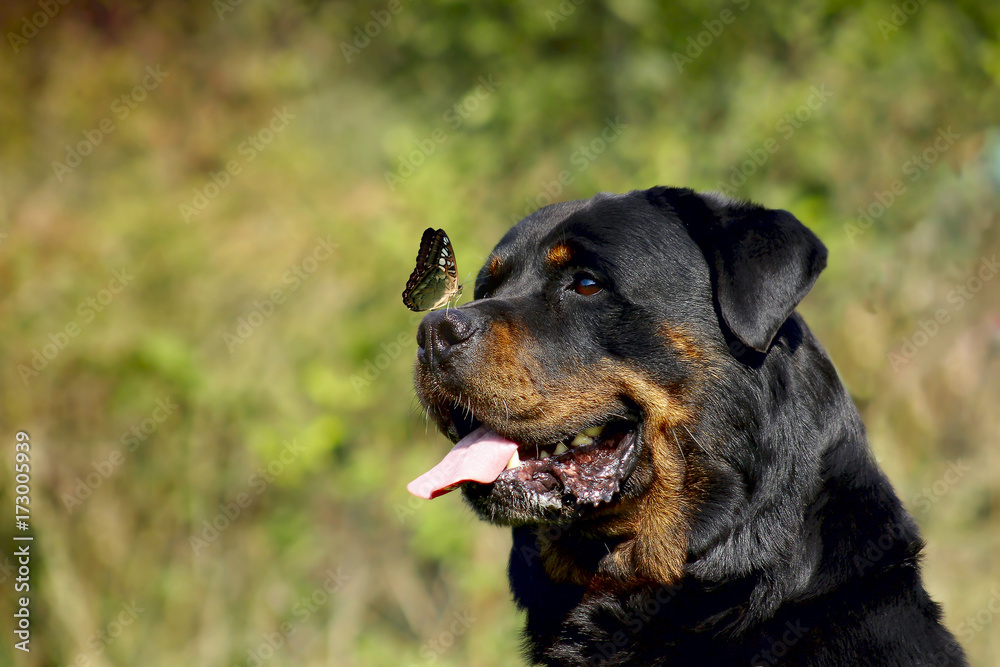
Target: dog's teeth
515, 461
561, 448
581, 440
593, 432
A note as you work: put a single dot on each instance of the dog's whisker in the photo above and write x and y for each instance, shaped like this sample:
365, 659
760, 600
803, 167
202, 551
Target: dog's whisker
679, 450
700, 446
416, 404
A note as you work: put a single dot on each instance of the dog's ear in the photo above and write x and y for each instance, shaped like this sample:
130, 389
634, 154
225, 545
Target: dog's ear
765, 262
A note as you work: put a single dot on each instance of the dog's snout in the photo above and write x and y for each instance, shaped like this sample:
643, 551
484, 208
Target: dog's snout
442, 331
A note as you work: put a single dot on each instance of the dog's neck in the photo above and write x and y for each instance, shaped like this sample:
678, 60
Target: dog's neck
623, 557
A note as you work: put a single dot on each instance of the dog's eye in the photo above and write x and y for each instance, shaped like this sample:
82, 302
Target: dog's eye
586, 285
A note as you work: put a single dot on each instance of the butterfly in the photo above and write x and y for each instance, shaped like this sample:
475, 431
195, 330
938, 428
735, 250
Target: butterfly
434, 281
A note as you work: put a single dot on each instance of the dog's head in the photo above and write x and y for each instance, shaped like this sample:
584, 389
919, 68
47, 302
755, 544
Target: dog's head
576, 379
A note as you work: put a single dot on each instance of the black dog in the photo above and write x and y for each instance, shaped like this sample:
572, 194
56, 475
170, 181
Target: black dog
687, 479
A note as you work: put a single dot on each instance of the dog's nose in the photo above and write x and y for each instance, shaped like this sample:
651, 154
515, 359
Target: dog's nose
443, 330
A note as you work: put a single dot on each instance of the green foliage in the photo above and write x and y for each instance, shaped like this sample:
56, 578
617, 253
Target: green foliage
295, 427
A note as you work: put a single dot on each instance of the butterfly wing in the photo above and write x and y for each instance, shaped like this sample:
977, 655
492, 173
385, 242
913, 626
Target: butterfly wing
434, 281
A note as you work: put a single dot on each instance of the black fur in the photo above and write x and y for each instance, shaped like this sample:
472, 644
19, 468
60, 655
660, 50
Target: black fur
799, 552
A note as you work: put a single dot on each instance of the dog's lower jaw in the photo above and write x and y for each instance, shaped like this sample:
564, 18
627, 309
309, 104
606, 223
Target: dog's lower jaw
644, 539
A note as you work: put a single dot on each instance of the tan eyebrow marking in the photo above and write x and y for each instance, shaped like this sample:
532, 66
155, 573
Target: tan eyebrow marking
559, 255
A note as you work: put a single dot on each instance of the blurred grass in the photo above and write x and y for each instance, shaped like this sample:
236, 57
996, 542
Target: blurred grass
312, 374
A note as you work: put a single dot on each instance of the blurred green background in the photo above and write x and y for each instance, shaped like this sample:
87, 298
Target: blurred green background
208, 211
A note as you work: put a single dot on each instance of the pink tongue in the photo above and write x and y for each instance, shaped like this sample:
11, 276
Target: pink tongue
478, 457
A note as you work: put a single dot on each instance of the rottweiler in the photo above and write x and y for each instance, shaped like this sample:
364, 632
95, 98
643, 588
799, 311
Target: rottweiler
687, 480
